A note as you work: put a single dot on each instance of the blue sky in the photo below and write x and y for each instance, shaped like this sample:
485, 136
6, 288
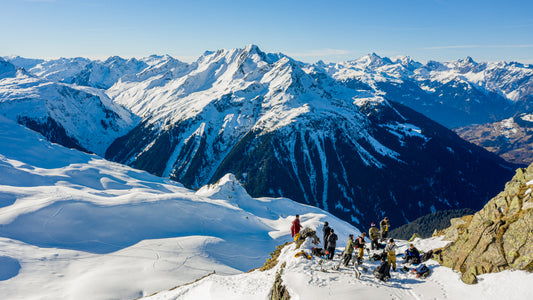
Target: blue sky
333, 30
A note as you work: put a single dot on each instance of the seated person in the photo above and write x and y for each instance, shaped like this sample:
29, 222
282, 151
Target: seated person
412, 255
383, 271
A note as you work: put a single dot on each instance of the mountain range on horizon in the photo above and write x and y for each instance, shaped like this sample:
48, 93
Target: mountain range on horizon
343, 137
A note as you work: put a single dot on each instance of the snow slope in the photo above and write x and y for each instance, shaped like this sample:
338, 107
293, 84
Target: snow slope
75, 226
77, 116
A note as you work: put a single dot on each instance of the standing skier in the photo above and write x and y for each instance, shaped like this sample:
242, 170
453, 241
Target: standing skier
326, 230
390, 249
373, 234
332, 244
384, 228
360, 244
348, 251
295, 228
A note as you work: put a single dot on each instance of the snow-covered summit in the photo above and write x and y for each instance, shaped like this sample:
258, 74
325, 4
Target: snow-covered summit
227, 188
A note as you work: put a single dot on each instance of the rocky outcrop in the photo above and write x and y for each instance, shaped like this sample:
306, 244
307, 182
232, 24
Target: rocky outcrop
498, 237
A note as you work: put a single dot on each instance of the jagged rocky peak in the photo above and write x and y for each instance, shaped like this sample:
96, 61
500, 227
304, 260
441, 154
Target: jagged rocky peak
498, 237
468, 60
373, 60
407, 62
249, 54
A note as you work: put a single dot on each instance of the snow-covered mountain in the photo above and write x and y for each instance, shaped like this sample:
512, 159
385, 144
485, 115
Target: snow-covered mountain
285, 128
75, 116
75, 226
93, 73
457, 93
511, 138
314, 133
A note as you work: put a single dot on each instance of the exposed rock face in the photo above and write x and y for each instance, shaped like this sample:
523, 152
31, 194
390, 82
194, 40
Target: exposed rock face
498, 237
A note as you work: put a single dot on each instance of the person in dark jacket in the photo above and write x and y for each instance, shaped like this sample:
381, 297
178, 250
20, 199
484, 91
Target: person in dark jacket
326, 230
383, 271
332, 244
295, 228
412, 255
360, 245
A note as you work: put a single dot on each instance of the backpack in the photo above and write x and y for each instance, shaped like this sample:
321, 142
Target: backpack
426, 256
318, 251
422, 271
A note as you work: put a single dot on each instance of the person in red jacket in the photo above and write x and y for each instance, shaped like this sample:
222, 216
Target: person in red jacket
295, 228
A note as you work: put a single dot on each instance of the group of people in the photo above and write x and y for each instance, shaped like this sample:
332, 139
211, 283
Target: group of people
330, 243
412, 255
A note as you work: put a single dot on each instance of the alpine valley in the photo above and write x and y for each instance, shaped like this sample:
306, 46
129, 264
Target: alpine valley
356, 139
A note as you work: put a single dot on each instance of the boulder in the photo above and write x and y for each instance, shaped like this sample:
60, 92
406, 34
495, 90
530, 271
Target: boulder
498, 237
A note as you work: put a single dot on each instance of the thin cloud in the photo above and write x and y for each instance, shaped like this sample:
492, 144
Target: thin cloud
477, 46
323, 52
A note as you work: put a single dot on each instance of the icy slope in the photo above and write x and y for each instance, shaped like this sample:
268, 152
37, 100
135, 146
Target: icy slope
75, 226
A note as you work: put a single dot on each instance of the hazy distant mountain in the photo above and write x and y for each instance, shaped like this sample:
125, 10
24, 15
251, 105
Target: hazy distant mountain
511, 138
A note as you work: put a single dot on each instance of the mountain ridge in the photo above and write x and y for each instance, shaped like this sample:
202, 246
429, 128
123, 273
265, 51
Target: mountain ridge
286, 128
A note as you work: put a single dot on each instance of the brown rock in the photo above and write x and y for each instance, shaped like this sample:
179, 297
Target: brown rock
498, 237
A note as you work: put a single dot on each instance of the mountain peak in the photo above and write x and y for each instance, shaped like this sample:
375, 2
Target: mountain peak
373, 60
226, 188
251, 48
468, 61
7, 69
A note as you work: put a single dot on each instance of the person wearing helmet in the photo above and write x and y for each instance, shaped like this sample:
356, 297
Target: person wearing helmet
373, 234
